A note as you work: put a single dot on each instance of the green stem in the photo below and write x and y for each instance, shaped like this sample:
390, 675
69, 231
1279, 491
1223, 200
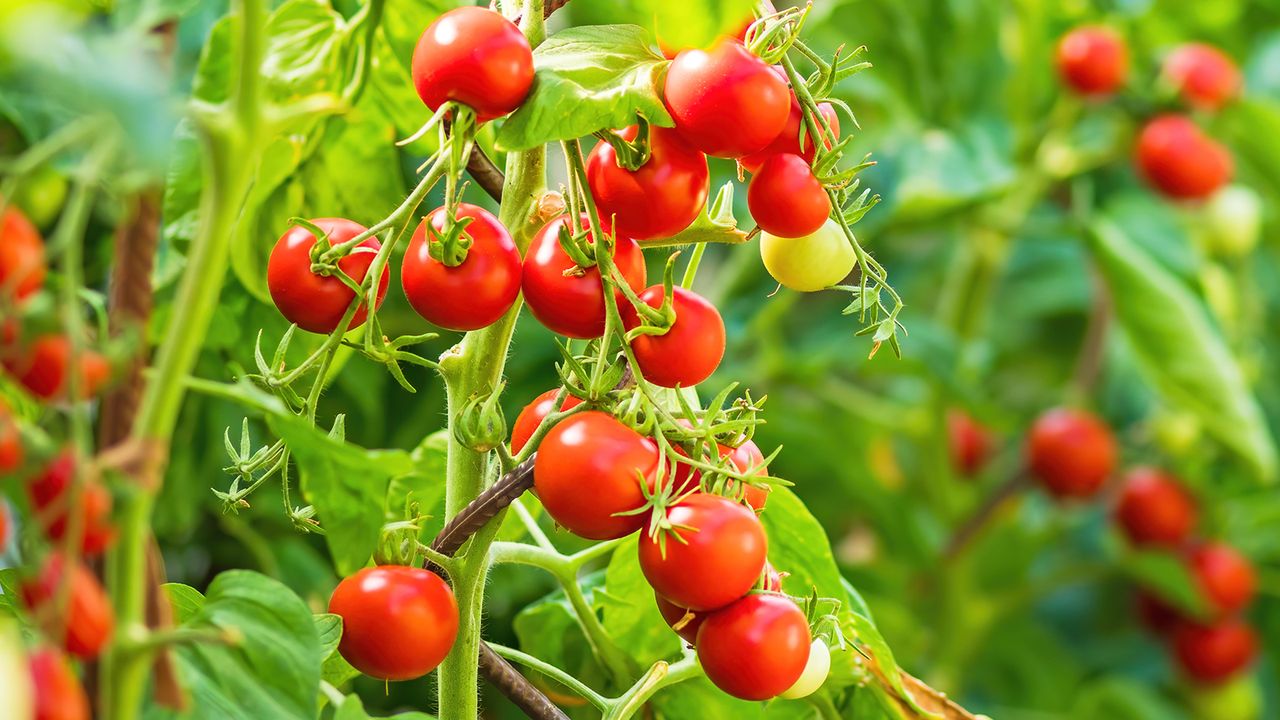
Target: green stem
554, 673
659, 676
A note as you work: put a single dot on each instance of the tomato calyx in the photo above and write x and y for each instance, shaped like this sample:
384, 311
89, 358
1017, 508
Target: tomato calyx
480, 424
654, 321
325, 255
450, 245
772, 35
575, 244
630, 154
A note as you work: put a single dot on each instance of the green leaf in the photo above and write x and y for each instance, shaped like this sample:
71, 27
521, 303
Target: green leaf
424, 487
353, 709
943, 171
549, 630
186, 601
695, 23
631, 616
799, 547
1167, 575
329, 628
8, 591
588, 79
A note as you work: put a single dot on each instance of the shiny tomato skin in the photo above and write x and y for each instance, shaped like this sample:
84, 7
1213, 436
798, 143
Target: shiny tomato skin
1226, 578
756, 648
1180, 161
531, 416
88, 621
658, 199
41, 367
588, 469
11, 450
1093, 60
692, 347
725, 101
398, 622
474, 56
718, 557
574, 306
673, 614
49, 496
745, 457
786, 199
1154, 509
315, 303
58, 692
1070, 452
789, 140
970, 443
1214, 653
474, 294
1205, 76
22, 264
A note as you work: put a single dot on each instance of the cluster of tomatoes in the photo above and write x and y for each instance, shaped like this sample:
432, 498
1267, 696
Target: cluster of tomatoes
1174, 155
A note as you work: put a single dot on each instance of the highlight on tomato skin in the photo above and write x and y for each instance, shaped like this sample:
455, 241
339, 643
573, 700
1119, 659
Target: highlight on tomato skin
690, 350
474, 56
1154, 509
756, 648
1180, 161
1204, 76
313, 302
1092, 60
660, 198
1071, 453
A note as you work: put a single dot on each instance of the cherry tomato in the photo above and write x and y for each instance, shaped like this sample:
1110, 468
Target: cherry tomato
589, 469
398, 622
22, 267
1225, 577
531, 416
786, 199
815, 672
810, 263
4, 528
1214, 653
725, 101
1093, 60
969, 441
11, 452
1204, 75
58, 692
674, 614
313, 302
1180, 161
471, 295
790, 139
1233, 221
745, 458
41, 368
717, 558
85, 624
1070, 452
1154, 509
661, 197
49, 493
474, 56
691, 348
756, 648
1156, 615
574, 305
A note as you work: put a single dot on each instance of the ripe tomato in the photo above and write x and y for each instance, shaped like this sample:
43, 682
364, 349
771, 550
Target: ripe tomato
1213, 653
58, 692
1156, 615
313, 302
692, 347
589, 469
815, 672
790, 139
1093, 60
673, 614
1204, 75
21, 256
1180, 161
786, 199
969, 441
810, 263
756, 648
41, 368
1070, 452
531, 416
717, 558
574, 305
725, 101
471, 295
49, 493
661, 197
11, 452
745, 457
1154, 509
398, 622
84, 625
474, 56
1225, 577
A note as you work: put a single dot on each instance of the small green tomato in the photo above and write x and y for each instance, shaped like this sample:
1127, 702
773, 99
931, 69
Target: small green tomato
815, 672
810, 263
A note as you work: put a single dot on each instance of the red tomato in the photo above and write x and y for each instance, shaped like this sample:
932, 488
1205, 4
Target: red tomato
589, 469
789, 140
756, 648
41, 367
1156, 615
745, 457
398, 622
717, 558
1204, 75
1180, 161
21, 255
474, 56
4, 528
1093, 60
673, 614
574, 305
11, 452
1224, 575
786, 199
49, 497
659, 199
84, 625
1154, 509
1071, 452
725, 101
1213, 653
313, 302
471, 295
692, 347
58, 692
969, 441
531, 416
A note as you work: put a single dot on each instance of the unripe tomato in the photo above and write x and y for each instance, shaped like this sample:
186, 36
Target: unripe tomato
1156, 615
1154, 509
590, 468
1070, 452
1225, 577
717, 558
692, 347
58, 692
1203, 75
1180, 161
22, 267
84, 625
786, 199
790, 139
473, 294
810, 263
815, 672
531, 416
313, 302
1233, 221
725, 101
1214, 653
41, 195
1238, 699
574, 305
11, 452
1093, 60
41, 367
398, 622
969, 441
673, 614
756, 648
661, 197
745, 458
474, 56
50, 498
